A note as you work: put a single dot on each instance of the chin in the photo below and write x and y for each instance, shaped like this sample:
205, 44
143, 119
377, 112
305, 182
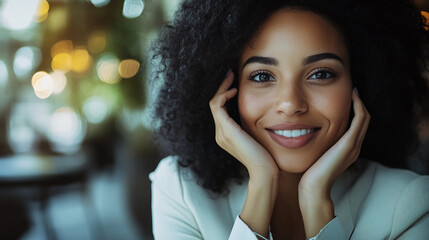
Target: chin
294, 164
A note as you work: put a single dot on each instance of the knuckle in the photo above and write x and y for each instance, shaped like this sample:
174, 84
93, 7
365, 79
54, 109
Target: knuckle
211, 103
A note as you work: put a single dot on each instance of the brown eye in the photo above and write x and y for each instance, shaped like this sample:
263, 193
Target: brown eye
322, 74
261, 77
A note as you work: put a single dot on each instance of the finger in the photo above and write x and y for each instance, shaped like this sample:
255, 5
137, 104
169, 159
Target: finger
226, 83
362, 114
360, 120
217, 107
220, 99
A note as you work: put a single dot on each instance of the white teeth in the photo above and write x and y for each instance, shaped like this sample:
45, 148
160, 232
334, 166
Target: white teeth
294, 133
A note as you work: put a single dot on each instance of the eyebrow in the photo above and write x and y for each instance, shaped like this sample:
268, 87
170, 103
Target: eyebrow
321, 56
262, 60
306, 61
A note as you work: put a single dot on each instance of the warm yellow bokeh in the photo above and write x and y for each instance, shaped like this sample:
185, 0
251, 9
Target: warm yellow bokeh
97, 42
63, 46
42, 12
128, 68
81, 60
62, 62
426, 15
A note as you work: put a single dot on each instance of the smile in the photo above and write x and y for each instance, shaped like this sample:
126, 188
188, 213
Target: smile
294, 133
293, 136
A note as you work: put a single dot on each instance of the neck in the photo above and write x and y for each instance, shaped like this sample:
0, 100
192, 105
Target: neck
288, 184
287, 219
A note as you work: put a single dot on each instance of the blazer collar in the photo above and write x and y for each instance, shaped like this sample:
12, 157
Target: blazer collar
348, 193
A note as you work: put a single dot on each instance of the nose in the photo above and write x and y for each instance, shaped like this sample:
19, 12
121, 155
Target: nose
291, 100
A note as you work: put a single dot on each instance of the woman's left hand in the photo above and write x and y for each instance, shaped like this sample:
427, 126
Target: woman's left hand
315, 185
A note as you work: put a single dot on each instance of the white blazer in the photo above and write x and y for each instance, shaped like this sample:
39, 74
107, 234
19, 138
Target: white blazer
378, 203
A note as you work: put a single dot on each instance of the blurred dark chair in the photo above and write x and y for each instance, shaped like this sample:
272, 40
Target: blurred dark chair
42, 176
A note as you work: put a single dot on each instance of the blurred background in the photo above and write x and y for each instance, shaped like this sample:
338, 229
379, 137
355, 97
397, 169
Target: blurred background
75, 136
75, 142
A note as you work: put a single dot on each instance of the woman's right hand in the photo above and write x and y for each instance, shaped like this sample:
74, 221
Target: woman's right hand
233, 139
263, 171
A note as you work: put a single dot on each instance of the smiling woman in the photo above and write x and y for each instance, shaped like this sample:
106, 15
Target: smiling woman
302, 86
284, 146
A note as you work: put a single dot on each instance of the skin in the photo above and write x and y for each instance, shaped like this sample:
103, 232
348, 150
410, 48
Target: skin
289, 188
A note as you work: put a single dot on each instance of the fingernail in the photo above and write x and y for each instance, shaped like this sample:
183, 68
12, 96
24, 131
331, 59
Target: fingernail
357, 92
228, 73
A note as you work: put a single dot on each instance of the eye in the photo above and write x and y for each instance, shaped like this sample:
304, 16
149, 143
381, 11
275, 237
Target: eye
322, 74
261, 76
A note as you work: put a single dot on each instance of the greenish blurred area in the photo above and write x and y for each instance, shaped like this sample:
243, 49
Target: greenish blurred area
74, 73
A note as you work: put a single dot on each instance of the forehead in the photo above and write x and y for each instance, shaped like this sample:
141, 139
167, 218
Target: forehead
295, 32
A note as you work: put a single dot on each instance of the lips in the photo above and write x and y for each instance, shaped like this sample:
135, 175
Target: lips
292, 135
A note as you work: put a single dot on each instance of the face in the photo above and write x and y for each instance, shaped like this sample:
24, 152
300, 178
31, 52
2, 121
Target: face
295, 89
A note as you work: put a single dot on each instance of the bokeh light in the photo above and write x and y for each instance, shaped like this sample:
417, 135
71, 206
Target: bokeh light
80, 60
63, 46
62, 62
107, 69
95, 109
128, 68
43, 84
26, 60
97, 42
426, 15
132, 8
61, 53
18, 15
66, 130
42, 12
100, 3
58, 17
59, 81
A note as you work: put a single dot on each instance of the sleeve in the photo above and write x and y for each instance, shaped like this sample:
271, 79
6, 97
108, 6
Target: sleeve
411, 216
332, 230
419, 230
240, 231
171, 218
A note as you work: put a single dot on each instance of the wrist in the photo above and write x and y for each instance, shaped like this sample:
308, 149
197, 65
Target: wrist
264, 174
260, 201
317, 211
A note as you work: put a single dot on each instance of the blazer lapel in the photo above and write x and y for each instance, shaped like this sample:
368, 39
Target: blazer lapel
348, 194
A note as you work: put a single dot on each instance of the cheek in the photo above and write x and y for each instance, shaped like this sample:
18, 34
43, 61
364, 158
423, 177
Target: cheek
251, 107
336, 107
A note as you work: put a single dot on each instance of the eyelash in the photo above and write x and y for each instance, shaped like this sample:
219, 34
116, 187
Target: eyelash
330, 74
259, 73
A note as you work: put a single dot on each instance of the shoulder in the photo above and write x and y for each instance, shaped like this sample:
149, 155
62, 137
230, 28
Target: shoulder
166, 166
178, 199
170, 177
399, 185
396, 199
410, 194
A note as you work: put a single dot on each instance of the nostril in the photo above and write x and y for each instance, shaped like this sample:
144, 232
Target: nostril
292, 108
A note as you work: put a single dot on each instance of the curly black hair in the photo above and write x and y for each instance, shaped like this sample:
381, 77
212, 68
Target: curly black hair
385, 40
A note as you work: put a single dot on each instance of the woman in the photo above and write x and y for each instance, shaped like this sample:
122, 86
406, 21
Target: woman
279, 151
